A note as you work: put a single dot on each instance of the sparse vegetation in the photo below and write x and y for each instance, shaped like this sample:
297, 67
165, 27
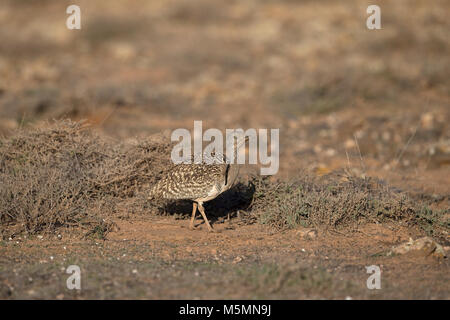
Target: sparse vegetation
349, 102
337, 201
65, 176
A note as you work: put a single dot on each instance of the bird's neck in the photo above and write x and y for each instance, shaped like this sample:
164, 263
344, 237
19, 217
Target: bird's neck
236, 146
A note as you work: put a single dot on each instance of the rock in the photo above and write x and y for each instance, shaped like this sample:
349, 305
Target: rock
423, 246
237, 260
427, 120
349, 143
440, 153
122, 51
307, 233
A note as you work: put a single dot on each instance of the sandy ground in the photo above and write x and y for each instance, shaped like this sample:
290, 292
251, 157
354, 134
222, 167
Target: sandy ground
372, 102
162, 259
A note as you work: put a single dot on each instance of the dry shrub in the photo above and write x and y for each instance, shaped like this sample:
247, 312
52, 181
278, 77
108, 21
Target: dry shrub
336, 201
64, 175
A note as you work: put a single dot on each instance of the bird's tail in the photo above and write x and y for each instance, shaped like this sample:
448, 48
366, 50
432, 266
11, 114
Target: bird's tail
153, 191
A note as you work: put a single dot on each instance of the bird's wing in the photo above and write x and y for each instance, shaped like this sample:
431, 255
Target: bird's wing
189, 181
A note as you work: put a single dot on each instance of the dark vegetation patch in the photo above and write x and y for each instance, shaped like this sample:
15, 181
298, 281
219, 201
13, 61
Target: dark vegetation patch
66, 176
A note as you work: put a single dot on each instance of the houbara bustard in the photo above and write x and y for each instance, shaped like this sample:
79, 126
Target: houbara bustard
200, 182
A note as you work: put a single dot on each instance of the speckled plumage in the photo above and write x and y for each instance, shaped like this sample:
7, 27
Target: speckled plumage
198, 182
191, 181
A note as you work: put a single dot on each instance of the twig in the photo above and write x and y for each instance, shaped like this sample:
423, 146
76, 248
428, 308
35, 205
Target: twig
405, 147
360, 155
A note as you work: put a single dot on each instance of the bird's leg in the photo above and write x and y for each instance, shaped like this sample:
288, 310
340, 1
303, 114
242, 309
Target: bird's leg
202, 211
194, 211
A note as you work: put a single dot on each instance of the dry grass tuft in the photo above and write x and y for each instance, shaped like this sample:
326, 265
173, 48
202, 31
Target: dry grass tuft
337, 201
64, 175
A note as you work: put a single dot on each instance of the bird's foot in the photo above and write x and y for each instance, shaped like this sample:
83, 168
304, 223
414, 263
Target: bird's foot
192, 227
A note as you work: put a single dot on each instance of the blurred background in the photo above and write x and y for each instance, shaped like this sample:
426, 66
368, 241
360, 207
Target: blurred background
372, 101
